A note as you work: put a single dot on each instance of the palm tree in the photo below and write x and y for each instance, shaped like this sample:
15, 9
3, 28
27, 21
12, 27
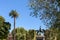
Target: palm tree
14, 15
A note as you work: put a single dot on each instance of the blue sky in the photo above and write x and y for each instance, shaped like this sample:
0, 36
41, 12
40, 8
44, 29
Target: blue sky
24, 20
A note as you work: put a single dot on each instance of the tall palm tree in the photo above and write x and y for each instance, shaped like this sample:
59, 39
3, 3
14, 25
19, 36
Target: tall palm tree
14, 15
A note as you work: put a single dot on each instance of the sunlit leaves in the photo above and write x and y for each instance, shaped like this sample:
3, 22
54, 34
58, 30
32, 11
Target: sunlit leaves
20, 33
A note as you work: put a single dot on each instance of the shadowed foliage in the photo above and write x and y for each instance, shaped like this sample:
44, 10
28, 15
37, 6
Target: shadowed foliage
4, 28
45, 10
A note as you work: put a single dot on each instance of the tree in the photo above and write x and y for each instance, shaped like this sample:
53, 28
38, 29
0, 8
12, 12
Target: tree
46, 10
20, 33
53, 33
1, 20
30, 35
4, 28
49, 12
14, 15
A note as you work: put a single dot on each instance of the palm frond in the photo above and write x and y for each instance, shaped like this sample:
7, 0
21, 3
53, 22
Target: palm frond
13, 13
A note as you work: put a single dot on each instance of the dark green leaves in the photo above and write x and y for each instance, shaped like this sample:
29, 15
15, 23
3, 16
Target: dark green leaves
4, 28
13, 13
45, 10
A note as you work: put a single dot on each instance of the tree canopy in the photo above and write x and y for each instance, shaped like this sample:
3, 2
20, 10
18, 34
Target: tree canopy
46, 10
20, 33
49, 12
13, 13
4, 28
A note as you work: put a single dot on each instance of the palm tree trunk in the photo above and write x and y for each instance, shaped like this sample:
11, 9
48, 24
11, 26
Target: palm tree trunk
14, 30
55, 38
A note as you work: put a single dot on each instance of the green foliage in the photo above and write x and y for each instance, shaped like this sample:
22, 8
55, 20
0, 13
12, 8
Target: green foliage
52, 33
45, 10
13, 13
30, 35
4, 28
20, 33
1, 20
49, 12
31, 32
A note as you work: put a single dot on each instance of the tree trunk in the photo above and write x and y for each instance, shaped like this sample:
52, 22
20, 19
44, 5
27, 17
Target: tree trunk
55, 38
14, 29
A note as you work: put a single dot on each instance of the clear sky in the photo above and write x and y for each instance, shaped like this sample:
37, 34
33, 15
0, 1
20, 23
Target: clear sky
24, 20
